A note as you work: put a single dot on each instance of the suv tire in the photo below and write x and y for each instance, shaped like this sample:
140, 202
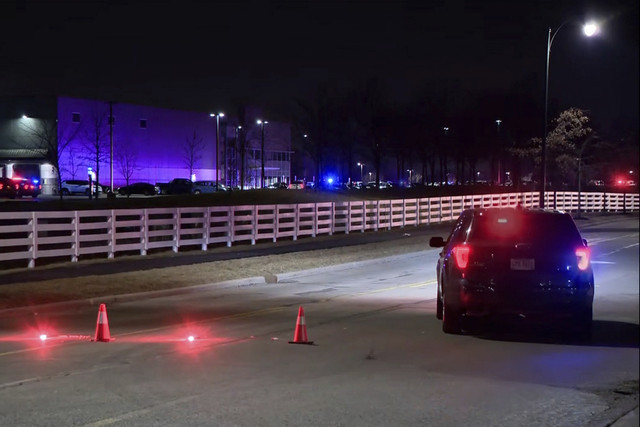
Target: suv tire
451, 317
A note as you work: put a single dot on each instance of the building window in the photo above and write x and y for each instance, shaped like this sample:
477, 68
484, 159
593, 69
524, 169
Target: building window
143, 123
75, 117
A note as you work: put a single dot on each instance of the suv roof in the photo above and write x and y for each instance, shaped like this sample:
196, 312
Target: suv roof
523, 225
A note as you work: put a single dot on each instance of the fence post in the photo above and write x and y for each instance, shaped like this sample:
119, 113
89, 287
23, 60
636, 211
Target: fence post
333, 219
176, 229
34, 235
207, 223
112, 234
145, 230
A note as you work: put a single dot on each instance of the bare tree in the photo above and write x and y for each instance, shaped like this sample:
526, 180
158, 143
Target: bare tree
127, 161
96, 141
192, 151
72, 165
51, 140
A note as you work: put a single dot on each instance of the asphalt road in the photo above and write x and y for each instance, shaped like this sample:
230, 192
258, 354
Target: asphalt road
379, 357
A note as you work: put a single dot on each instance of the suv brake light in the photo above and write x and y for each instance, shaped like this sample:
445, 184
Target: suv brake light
583, 255
461, 256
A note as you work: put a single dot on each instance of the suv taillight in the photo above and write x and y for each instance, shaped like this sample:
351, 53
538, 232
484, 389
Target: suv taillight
583, 255
461, 256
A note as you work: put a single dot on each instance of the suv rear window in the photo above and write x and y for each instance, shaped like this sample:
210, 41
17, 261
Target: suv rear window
509, 226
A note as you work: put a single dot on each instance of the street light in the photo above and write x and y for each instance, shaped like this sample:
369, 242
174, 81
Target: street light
262, 123
410, 175
240, 148
590, 29
498, 123
443, 164
217, 116
361, 165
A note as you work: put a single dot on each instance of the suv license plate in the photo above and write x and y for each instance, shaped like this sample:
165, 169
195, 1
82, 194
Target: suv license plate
523, 264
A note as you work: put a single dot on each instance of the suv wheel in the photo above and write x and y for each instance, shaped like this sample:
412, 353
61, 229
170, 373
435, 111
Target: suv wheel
65, 192
583, 324
451, 316
439, 304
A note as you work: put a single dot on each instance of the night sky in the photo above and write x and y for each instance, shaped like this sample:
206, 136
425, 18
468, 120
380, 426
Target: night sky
215, 55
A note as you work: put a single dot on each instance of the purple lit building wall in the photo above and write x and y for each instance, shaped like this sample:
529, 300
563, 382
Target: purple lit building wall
152, 140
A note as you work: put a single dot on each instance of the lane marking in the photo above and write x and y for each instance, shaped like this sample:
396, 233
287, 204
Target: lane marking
229, 316
621, 249
392, 288
597, 240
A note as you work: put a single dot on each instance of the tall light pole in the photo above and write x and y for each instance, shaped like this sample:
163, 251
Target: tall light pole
590, 29
443, 162
410, 175
498, 123
262, 123
361, 165
240, 146
217, 116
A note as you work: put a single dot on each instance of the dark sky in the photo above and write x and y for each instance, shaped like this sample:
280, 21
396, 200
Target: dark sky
211, 55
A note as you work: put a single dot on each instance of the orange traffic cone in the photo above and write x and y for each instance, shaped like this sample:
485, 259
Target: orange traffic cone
300, 335
102, 325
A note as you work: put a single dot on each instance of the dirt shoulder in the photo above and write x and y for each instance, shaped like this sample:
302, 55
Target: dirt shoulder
73, 286
165, 271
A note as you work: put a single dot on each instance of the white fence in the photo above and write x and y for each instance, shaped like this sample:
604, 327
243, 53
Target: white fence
34, 235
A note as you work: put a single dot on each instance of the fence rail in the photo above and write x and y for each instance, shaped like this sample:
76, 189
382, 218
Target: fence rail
30, 236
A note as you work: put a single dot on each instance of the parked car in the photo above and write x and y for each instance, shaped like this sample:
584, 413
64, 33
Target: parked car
78, 186
143, 188
28, 188
278, 186
200, 187
8, 188
296, 185
530, 263
383, 184
176, 186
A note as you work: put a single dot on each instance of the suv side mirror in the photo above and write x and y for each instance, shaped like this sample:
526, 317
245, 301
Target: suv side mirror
436, 242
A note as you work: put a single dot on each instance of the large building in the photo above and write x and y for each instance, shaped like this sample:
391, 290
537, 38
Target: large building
132, 143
